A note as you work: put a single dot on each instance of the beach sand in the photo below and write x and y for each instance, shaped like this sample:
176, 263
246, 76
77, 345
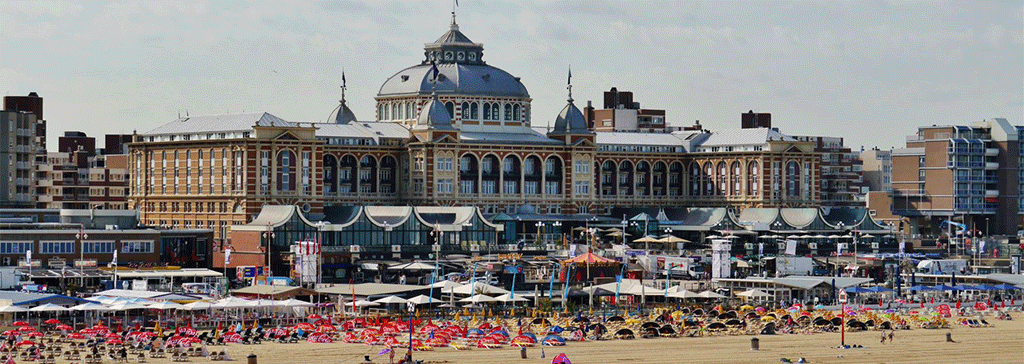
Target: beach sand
1002, 343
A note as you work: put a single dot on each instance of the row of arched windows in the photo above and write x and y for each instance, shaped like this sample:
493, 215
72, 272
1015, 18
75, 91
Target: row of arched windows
367, 175
724, 179
471, 110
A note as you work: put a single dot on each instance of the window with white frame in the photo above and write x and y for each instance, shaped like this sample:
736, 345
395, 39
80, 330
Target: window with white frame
531, 187
265, 171
137, 246
582, 166
466, 187
552, 188
488, 187
99, 247
444, 185
15, 247
306, 171
581, 187
510, 187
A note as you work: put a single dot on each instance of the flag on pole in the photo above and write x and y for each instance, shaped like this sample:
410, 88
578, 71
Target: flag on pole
114, 262
434, 71
227, 257
28, 257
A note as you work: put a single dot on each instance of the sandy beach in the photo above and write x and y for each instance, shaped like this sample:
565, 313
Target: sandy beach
1001, 343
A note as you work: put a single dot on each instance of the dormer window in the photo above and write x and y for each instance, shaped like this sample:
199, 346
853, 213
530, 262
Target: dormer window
405, 78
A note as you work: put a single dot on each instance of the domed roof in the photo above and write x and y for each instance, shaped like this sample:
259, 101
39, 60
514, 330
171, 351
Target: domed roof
454, 78
434, 116
343, 114
461, 71
570, 121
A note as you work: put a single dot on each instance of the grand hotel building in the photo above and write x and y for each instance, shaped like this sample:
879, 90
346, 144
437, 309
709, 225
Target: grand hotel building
460, 136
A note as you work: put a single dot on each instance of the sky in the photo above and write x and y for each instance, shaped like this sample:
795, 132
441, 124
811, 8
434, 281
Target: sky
867, 71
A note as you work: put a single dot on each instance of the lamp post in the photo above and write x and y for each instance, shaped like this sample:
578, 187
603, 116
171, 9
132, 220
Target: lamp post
668, 232
269, 235
437, 233
540, 226
624, 229
558, 228
319, 250
81, 253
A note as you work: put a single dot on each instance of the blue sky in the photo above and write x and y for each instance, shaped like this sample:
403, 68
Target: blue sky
868, 71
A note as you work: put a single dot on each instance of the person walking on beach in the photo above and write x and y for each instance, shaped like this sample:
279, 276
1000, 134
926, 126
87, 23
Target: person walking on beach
891, 334
883, 337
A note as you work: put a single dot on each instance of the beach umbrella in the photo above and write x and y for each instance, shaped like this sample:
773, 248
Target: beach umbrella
52, 322
682, 293
1006, 287
20, 323
26, 329
478, 287
10, 332
75, 335
35, 334
25, 343
64, 327
115, 341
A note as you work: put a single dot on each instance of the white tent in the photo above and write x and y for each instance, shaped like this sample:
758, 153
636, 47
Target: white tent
198, 306
709, 294
125, 306
231, 302
480, 298
423, 300
12, 309
89, 306
165, 305
365, 303
508, 298
683, 293
754, 293
391, 300
446, 286
291, 302
478, 287
49, 307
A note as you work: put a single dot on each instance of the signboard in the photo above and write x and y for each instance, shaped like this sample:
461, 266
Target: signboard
396, 248
721, 266
34, 263
842, 296
85, 263
56, 263
353, 248
515, 269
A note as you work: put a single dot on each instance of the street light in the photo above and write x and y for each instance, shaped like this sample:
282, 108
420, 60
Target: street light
269, 235
668, 232
558, 228
319, 250
539, 225
81, 252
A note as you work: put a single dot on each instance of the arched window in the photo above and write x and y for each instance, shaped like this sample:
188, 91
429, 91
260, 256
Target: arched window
695, 180
753, 178
508, 112
394, 111
286, 171
380, 112
474, 111
408, 110
723, 179
465, 111
709, 182
487, 111
792, 179
450, 106
737, 179
516, 112
387, 113
495, 111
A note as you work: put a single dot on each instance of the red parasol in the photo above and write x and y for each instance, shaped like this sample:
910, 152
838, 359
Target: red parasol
64, 327
52, 322
25, 343
115, 342
35, 334
26, 329
75, 335
20, 323
10, 332
314, 317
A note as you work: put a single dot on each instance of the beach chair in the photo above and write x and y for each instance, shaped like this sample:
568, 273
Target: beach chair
141, 358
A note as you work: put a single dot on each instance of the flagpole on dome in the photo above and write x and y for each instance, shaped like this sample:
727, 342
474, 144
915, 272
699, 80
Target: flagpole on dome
569, 83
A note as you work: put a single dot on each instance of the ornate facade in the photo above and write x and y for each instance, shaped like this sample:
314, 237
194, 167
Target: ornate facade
454, 131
